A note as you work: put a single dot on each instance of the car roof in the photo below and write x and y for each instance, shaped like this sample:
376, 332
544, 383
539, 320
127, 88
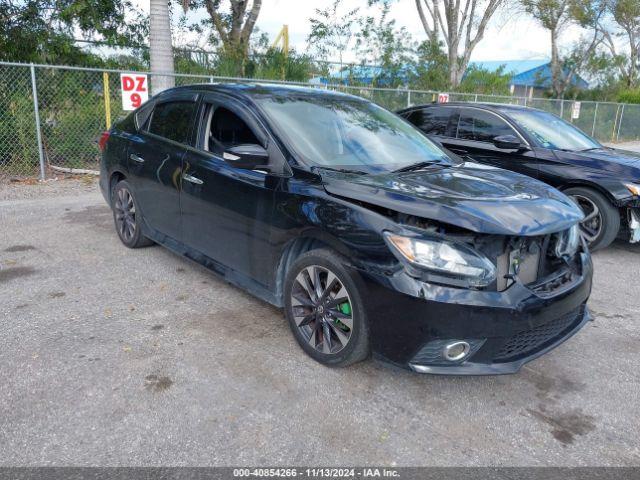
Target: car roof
494, 107
252, 90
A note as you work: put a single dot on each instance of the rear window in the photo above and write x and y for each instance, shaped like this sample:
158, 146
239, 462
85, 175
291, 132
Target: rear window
433, 120
173, 120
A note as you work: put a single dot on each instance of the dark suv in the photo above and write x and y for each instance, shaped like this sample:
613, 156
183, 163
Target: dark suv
371, 237
603, 181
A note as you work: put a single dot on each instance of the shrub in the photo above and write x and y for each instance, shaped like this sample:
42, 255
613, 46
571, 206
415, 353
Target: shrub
629, 96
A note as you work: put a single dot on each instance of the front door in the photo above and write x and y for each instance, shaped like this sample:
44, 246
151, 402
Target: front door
227, 211
155, 158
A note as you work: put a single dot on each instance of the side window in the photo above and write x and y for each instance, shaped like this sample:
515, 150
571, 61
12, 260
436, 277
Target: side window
226, 129
142, 115
432, 120
172, 120
481, 126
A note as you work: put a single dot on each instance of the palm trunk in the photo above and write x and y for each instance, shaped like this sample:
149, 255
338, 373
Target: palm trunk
454, 67
160, 52
557, 83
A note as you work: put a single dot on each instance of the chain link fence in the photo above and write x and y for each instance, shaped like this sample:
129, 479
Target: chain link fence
52, 116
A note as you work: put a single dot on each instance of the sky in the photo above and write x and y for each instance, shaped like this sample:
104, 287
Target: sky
509, 36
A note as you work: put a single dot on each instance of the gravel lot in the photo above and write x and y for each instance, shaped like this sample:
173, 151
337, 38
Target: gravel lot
110, 356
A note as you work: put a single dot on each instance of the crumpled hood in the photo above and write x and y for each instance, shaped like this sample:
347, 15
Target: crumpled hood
477, 197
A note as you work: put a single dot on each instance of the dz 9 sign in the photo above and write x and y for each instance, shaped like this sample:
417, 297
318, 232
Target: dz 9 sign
135, 90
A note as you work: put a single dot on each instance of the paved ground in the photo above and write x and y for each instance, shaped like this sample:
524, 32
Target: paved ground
111, 356
634, 146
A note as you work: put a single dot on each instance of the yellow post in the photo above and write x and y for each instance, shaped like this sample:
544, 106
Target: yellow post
285, 39
615, 123
284, 36
107, 99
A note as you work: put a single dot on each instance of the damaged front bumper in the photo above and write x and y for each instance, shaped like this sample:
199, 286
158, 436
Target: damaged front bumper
412, 322
633, 216
629, 211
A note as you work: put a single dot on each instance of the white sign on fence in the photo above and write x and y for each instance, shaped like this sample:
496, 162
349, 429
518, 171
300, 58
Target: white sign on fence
135, 90
443, 98
575, 111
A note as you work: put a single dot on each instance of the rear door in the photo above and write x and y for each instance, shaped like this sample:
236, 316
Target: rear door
473, 136
155, 162
436, 121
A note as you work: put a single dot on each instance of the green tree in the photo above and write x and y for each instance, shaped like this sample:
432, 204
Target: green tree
462, 24
381, 43
479, 80
44, 30
233, 24
430, 69
626, 17
555, 16
333, 31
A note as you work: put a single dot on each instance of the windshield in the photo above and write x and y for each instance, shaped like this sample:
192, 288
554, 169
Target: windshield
551, 131
344, 133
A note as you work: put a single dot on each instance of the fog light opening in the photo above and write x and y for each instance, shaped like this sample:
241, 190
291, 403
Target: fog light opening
456, 351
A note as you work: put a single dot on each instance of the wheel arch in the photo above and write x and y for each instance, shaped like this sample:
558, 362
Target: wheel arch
591, 185
115, 177
309, 240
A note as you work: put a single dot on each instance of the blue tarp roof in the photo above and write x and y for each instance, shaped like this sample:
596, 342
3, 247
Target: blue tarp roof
528, 72
515, 67
535, 73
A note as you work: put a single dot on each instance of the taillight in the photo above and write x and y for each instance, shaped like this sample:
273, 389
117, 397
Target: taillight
102, 143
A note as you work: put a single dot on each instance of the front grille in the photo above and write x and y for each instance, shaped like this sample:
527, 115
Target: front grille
551, 284
529, 341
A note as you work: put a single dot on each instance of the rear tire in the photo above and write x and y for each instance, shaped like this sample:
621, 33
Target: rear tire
127, 216
324, 300
602, 221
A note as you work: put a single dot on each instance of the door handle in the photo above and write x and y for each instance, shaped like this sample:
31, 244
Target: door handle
136, 158
191, 179
459, 151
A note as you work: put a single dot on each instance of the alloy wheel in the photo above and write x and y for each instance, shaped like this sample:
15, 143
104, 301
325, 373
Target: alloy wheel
125, 213
591, 226
322, 309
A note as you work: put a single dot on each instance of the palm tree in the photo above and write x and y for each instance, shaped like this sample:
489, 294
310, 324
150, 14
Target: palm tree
160, 46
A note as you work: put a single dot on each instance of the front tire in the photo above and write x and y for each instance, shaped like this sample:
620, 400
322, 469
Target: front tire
324, 307
127, 216
602, 220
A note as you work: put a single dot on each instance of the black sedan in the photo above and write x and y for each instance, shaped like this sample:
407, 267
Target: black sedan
605, 182
371, 237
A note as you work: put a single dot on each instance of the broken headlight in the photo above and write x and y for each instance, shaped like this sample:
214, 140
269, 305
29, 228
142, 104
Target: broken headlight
633, 188
447, 262
567, 242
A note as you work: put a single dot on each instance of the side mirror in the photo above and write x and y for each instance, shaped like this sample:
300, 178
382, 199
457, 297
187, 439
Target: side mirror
507, 142
247, 156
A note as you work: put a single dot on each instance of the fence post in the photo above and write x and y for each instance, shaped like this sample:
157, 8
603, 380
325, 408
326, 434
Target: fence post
620, 123
408, 98
107, 100
561, 108
595, 115
475, 100
615, 124
211, 79
37, 115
